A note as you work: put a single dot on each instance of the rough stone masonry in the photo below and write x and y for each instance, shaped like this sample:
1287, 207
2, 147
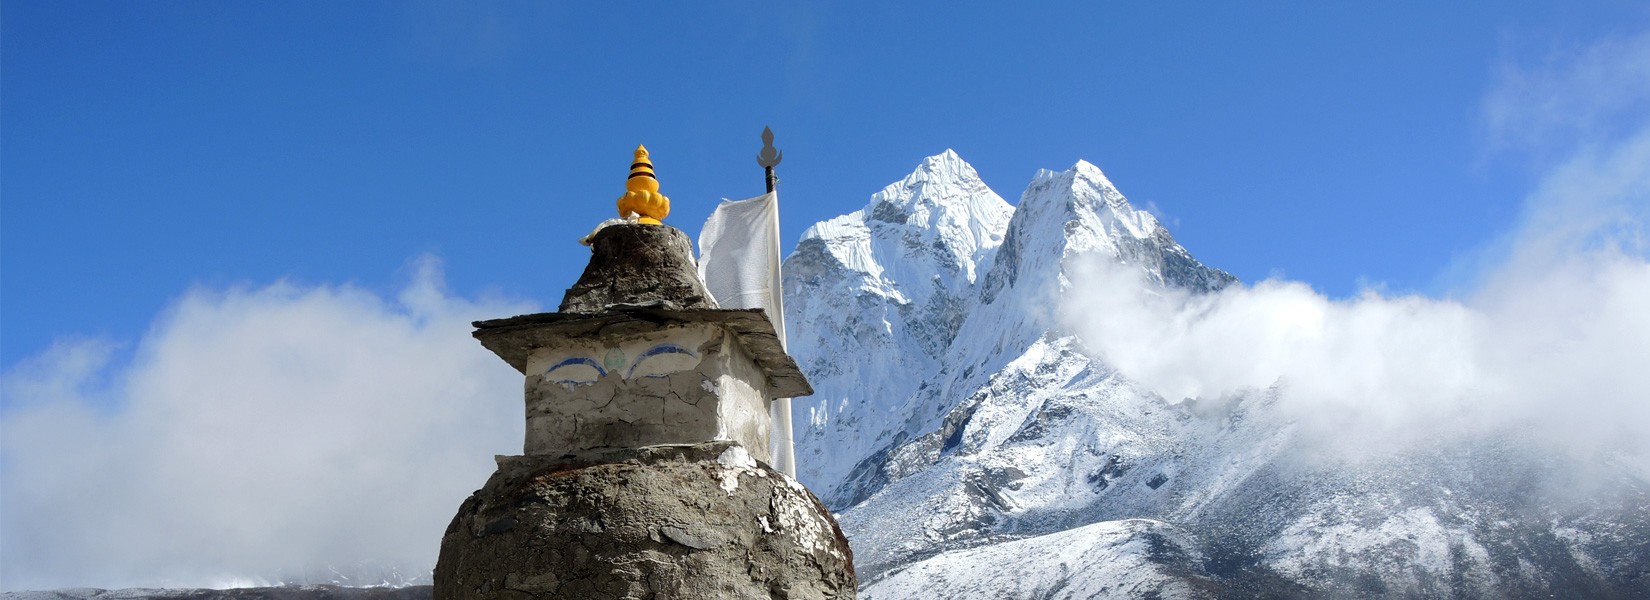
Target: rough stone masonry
643, 473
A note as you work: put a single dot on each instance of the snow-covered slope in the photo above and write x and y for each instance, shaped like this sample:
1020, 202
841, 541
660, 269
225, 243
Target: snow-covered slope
878, 295
1136, 558
975, 447
890, 360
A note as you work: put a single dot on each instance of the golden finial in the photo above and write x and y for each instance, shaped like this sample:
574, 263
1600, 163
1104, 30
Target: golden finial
642, 197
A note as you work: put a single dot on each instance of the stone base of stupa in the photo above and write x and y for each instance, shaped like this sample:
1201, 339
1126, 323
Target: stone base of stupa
667, 522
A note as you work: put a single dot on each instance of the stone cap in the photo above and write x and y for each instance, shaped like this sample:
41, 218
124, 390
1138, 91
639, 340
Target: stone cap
514, 338
635, 264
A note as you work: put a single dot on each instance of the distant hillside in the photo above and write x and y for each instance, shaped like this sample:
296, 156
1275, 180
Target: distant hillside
288, 592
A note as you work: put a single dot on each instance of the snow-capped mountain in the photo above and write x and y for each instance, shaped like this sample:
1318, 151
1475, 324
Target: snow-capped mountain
975, 448
879, 295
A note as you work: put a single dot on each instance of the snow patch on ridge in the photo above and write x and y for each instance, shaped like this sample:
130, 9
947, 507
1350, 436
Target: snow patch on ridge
1114, 559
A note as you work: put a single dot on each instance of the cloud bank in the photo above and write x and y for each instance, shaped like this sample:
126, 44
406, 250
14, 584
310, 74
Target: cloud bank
1552, 341
1558, 352
256, 435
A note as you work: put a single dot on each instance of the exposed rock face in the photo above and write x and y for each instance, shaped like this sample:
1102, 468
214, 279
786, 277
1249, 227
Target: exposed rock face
664, 522
638, 265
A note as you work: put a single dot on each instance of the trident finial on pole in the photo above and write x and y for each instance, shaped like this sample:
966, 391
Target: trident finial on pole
769, 157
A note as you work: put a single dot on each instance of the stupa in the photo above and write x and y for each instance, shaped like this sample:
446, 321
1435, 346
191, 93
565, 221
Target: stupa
644, 472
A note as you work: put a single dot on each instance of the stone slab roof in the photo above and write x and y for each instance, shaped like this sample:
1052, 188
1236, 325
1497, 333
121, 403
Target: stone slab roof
514, 338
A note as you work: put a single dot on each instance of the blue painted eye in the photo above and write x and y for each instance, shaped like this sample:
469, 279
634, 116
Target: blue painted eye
572, 370
686, 360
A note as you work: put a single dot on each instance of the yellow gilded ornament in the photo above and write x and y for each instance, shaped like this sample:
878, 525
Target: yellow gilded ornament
642, 197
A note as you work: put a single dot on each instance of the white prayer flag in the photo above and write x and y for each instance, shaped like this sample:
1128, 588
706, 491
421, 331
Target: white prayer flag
739, 262
739, 255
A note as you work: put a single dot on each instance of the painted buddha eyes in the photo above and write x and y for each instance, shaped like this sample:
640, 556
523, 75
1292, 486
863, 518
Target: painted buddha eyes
577, 369
666, 358
660, 360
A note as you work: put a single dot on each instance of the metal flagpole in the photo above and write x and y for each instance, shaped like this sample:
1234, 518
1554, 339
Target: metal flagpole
769, 157
784, 446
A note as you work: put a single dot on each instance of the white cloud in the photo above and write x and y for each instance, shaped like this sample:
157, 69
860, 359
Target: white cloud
1571, 97
1559, 351
256, 434
1552, 340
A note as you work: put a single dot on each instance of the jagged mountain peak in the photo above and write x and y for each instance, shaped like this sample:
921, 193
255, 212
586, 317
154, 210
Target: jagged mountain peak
944, 191
1079, 213
1090, 172
946, 169
1084, 194
946, 162
942, 209
945, 165
1081, 172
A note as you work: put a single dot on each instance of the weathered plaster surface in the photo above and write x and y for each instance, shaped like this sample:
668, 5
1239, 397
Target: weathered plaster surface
742, 416
638, 355
677, 385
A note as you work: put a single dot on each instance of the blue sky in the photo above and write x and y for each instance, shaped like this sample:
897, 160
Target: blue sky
241, 243
150, 147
